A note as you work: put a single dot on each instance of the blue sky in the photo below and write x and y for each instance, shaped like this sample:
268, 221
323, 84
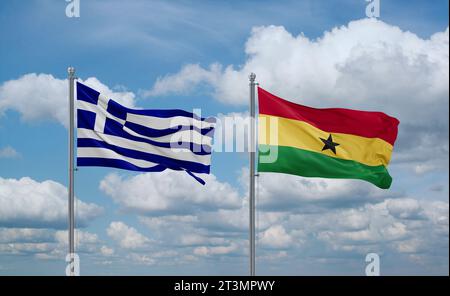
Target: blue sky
159, 54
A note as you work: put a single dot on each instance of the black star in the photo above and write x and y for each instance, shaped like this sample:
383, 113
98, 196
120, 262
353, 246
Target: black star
329, 144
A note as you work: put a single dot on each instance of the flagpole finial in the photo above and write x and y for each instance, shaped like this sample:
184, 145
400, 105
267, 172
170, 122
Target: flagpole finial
252, 77
71, 71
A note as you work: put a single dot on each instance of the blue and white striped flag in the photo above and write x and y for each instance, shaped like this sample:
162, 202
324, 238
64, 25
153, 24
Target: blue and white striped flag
111, 135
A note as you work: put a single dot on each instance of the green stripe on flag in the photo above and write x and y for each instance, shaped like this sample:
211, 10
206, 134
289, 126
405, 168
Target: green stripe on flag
305, 163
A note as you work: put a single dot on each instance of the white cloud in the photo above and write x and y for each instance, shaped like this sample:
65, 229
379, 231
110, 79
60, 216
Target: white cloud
142, 259
292, 193
85, 242
25, 235
36, 96
8, 152
300, 68
406, 208
169, 192
219, 250
192, 239
235, 221
322, 218
29, 203
367, 65
186, 80
224, 220
26, 248
45, 243
43, 97
165, 222
121, 96
401, 228
106, 251
392, 222
409, 246
438, 213
275, 237
352, 219
84, 237
126, 236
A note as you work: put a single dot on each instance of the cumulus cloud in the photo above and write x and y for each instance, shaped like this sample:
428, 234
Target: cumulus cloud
142, 259
275, 237
8, 152
85, 237
404, 228
29, 203
292, 193
305, 69
45, 243
318, 220
25, 235
406, 208
106, 251
127, 237
169, 192
186, 80
42, 96
164, 257
392, 223
367, 65
211, 251
85, 242
26, 248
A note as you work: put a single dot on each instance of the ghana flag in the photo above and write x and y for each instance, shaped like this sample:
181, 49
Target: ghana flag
328, 143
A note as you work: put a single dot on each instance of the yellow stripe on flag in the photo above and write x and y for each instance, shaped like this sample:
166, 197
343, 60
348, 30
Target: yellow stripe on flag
280, 131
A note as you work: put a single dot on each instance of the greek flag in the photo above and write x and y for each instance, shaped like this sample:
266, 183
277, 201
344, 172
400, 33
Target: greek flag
111, 135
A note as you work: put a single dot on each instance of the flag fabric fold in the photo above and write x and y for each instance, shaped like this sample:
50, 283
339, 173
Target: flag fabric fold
329, 143
111, 135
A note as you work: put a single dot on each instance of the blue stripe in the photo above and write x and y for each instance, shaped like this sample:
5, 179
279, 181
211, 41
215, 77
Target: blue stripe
151, 132
87, 94
168, 162
121, 164
117, 110
85, 119
114, 128
90, 95
116, 163
120, 111
170, 113
200, 180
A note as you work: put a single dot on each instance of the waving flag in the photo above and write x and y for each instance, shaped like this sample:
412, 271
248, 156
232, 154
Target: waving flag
330, 143
111, 135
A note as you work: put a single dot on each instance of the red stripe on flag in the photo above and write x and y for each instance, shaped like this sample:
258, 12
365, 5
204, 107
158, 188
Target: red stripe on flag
333, 120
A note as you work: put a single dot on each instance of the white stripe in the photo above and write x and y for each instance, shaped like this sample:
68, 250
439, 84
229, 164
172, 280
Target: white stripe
102, 101
83, 105
164, 123
102, 114
148, 121
109, 154
175, 153
185, 136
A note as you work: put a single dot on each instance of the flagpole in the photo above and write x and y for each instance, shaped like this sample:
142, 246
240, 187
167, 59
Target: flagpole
71, 73
252, 148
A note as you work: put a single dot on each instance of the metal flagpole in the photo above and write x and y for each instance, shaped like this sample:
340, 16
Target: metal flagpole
71, 72
252, 149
